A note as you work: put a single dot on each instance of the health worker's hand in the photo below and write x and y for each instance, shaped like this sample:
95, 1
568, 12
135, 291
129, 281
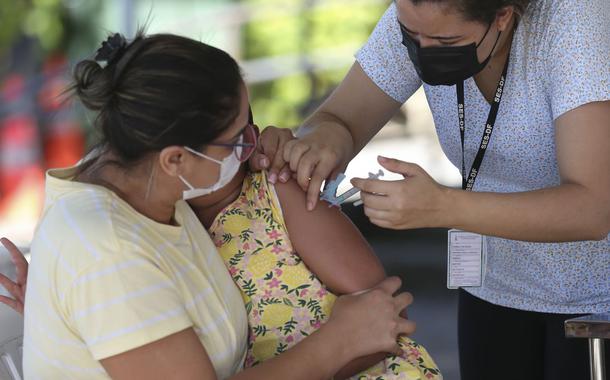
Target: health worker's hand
417, 201
318, 156
269, 154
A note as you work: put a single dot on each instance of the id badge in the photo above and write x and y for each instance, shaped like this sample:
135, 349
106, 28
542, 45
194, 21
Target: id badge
466, 256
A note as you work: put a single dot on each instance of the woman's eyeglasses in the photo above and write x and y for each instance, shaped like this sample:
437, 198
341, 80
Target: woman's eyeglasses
246, 144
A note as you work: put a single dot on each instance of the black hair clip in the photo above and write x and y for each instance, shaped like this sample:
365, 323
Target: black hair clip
112, 49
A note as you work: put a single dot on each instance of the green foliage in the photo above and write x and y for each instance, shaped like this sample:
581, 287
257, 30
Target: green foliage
40, 19
53, 23
11, 15
284, 102
323, 27
44, 20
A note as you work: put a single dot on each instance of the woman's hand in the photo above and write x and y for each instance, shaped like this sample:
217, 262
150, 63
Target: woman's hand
369, 322
15, 289
416, 201
318, 155
269, 154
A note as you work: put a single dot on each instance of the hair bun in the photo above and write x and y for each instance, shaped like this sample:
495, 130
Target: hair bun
92, 85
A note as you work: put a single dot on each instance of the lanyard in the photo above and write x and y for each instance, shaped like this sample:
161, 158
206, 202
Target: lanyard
468, 182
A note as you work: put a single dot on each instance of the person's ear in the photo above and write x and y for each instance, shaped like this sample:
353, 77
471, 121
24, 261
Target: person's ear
503, 17
173, 160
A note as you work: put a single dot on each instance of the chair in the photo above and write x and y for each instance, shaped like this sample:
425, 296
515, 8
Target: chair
11, 329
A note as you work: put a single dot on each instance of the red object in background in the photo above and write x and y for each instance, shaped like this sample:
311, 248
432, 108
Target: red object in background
26, 104
19, 155
19, 150
21, 172
63, 144
63, 141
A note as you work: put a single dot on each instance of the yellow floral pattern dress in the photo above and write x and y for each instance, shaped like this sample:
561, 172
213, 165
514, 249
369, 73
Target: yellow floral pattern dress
285, 301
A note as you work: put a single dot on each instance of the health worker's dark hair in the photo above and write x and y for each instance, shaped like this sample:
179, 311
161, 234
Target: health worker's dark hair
483, 11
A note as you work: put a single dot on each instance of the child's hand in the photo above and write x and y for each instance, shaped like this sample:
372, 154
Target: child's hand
16, 289
369, 322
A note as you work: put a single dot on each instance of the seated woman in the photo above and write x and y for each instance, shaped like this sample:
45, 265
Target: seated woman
249, 222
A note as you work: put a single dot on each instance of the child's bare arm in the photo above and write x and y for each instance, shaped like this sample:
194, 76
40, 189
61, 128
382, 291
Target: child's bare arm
329, 243
334, 250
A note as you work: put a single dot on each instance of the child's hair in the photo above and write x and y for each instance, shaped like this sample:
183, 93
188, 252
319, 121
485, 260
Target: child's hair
157, 91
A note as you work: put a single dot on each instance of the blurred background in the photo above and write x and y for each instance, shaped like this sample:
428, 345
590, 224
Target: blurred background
293, 54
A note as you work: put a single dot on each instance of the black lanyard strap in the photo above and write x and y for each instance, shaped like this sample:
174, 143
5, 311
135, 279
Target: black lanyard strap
468, 182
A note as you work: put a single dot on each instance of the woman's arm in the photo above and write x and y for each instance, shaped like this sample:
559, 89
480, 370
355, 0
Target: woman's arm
182, 356
577, 209
177, 356
358, 325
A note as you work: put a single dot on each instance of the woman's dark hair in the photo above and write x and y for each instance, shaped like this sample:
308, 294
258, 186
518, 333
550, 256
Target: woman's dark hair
482, 10
157, 91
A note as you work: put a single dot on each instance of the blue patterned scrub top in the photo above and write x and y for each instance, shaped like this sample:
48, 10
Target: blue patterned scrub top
559, 60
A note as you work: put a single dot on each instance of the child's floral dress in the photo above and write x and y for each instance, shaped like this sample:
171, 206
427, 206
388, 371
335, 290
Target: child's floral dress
285, 301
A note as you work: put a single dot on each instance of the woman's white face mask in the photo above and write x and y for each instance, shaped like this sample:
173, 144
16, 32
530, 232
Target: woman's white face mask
229, 166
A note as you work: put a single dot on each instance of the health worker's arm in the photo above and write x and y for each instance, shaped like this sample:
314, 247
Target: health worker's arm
338, 130
577, 98
576, 209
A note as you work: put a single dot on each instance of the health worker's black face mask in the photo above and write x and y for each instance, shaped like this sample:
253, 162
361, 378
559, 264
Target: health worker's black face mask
445, 65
